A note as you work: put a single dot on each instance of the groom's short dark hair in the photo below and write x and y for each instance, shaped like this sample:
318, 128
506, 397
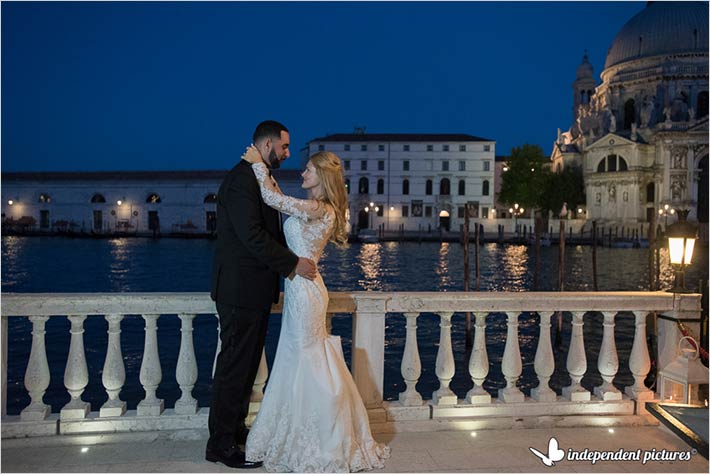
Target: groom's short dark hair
268, 129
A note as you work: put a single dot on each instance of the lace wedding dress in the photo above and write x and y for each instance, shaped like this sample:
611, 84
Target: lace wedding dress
312, 418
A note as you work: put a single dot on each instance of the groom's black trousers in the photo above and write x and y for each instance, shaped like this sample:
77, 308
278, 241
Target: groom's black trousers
242, 334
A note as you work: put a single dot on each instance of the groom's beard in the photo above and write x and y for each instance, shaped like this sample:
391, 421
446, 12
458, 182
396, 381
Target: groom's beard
274, 161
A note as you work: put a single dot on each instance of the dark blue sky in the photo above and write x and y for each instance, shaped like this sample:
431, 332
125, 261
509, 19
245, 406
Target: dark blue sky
152, 86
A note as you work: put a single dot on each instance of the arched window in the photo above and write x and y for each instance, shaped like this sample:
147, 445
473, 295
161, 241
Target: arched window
153, 199
629, 113
445, 187
380, 186
702, 105
622, 165
612, 163
98, 198
462, 187
429, 187
347, 185
486, 188
650, 193
363, 186
44, 198
405, 186
210, 198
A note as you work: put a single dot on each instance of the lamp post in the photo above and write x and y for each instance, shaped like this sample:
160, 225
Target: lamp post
516, 211
371, 209
665, 211
681, 242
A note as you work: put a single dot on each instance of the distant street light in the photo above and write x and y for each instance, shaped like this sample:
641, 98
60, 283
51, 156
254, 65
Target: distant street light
516, 211
665, 211
10, 202
372, 209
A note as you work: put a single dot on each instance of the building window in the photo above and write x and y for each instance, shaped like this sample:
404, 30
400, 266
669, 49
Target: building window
381, 165
405, 186
462, 187
484, 212
347, 185
462, 147
405, 148
461, 212
429, 165
702, 105
427, 211
486, 148
445, 165
321, 147
363, 165
363, 147
445, 148
210, 199
405, 211
380, 186
486, 166
44, 198
363, 186
485, 188
430, 148
405, 165
96, 198
380, 210
347, 164
612, 163
380, 148
462, 166
153, 199
347, 147
445, 187
429, 187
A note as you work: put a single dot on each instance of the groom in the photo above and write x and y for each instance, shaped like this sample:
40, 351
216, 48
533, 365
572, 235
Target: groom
251, 255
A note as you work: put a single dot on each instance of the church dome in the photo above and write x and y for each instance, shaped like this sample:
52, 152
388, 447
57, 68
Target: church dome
661, 28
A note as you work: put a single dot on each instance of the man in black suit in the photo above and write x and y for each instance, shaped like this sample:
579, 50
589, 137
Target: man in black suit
250, 257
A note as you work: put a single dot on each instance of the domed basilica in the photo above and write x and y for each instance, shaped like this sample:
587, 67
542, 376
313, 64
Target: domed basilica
641, 136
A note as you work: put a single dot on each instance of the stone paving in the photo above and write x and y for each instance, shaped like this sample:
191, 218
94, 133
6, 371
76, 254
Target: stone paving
441, 451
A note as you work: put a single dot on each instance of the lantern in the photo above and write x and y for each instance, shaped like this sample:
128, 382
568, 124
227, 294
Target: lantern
681, 242
685, 380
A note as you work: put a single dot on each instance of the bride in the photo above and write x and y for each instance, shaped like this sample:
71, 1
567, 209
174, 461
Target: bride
312, 418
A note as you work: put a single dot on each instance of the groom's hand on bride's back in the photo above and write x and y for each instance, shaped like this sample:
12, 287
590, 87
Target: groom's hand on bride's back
305, 268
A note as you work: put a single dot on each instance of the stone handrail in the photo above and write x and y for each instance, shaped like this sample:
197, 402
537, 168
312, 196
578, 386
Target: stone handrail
368, 311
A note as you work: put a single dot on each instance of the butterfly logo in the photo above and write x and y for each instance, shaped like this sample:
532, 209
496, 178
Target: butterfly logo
554, 453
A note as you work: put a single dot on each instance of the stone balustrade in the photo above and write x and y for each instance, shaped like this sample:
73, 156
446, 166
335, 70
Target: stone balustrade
368, 310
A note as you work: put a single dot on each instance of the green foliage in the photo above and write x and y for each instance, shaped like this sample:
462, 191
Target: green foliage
530, 182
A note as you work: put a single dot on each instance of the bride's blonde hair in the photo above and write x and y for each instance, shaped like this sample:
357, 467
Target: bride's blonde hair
330, 172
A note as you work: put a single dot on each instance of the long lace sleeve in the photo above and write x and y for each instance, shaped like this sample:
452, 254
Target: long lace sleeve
273, 197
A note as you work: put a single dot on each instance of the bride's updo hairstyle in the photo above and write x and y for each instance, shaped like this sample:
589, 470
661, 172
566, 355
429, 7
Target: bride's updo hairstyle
330, 172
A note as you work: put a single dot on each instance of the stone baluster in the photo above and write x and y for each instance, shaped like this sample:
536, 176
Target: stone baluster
219, 347
368, 350
186, 370
411, 364
76, 374
608, 362
544, 362
3, 344
576, 361
150, 374
639, 361
114, 373
512, 363
37, 374
262, 373
445, 367
478, 363
329, 323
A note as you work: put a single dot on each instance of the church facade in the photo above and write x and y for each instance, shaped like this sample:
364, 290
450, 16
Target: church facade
641, 136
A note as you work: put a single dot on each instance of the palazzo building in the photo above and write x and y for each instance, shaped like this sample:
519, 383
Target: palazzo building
414, 181
641, 136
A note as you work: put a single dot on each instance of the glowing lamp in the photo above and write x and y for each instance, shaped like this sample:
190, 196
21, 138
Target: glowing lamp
685, 380
10, 202
681, 242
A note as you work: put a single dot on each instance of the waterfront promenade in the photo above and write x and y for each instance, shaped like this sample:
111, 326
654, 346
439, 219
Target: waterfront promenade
440, 451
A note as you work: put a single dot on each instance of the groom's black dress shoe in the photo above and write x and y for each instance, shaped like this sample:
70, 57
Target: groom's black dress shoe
231, 457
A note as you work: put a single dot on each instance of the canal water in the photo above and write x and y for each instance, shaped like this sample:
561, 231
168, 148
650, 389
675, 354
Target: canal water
58, 265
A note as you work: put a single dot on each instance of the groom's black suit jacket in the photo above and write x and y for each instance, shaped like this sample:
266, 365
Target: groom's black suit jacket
251, 250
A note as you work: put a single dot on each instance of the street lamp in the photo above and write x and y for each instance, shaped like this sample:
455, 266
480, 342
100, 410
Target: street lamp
372, 209
665, 211
681, 242
516, 211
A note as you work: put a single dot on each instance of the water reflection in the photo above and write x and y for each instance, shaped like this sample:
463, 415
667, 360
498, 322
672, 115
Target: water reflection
442, 269
370, 261
515, 262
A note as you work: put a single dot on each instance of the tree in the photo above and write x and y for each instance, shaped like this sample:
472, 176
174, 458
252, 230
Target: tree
566, 186
526, 178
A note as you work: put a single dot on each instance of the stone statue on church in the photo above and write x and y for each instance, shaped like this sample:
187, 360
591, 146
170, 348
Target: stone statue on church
612, 122
646, 112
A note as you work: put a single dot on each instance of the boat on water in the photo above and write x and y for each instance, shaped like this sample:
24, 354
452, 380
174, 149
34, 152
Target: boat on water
367, 236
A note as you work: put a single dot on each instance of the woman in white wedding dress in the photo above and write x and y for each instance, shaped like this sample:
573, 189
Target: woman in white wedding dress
312, 418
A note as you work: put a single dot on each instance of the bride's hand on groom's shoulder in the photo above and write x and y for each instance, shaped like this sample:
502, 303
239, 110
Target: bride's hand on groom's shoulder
252, 155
